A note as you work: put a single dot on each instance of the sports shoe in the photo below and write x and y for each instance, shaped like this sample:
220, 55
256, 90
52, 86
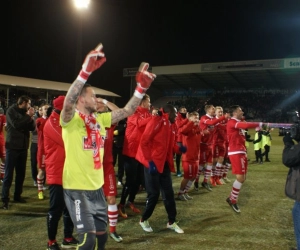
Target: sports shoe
35, 184
178, 174
115, 236
218, 182
267, 160
19, 200
196, 186
41, 195
121, 210
187, 197
5, 205
133, 208
53, 246
69, 243
45, 188
213, 181
206, 185
222, 181
181, 197
120, 183
226, 180
175, 227
234, 206
146, 227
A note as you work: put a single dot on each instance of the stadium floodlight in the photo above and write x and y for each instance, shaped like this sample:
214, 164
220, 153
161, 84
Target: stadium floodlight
80, 4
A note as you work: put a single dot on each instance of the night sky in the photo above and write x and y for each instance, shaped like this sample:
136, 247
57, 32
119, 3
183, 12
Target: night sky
39, 37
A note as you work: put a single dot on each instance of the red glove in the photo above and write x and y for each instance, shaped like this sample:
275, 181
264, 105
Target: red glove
93, 61
143, 80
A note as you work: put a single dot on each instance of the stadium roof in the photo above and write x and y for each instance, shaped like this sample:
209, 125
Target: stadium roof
43, 84
267, 74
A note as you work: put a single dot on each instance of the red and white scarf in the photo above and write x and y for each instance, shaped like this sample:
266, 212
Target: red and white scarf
93, 136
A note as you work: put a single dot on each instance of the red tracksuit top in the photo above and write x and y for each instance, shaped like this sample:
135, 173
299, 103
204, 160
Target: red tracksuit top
158, 143
54, 150
191, 136
136, 124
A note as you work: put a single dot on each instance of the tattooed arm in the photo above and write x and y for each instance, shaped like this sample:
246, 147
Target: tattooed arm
92, 62
130, 107
70, 101
143, 80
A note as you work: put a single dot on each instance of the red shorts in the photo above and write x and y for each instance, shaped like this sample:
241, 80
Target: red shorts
239, 163
110, 186
190, 170
205, 154
219, 150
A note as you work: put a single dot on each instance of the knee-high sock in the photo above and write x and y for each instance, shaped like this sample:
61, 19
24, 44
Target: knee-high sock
226, 169
112, 217
236, 187
200, 169
2, 170
40, 183
100, 241
188, 186
207, 173
219, 170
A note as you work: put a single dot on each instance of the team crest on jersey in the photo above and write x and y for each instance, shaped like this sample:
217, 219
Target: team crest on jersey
90, 145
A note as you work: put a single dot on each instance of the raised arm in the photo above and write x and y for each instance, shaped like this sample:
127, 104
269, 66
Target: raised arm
110, 105
144, 80
93, 61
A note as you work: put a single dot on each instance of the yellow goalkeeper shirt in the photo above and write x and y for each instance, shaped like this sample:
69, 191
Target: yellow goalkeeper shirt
79, 172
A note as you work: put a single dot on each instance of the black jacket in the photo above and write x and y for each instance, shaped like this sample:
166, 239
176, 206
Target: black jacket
119, 139
291, 159
19, 123
291, 156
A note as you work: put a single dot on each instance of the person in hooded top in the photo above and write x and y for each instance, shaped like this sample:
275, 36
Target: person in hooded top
54, 164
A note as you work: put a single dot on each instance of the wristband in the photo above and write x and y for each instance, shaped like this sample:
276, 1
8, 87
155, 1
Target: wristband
138, 94
83, 76
104, 101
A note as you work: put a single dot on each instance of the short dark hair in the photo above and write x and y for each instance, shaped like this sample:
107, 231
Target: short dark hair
168, 108
22, 99
83, 90
232, 109
145, 97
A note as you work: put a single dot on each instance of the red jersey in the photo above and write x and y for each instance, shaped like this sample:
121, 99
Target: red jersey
221, 134
191, 136
207, 125
236, 135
